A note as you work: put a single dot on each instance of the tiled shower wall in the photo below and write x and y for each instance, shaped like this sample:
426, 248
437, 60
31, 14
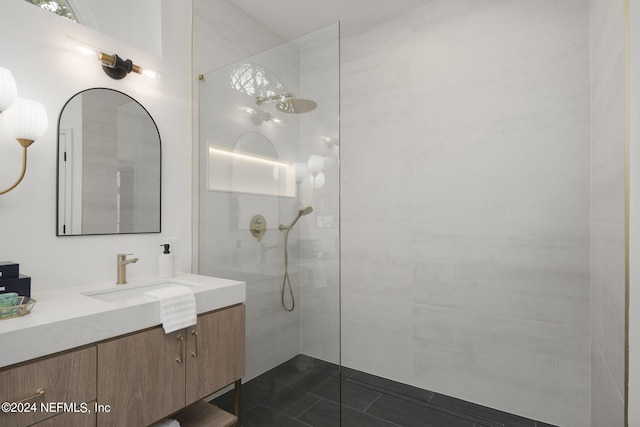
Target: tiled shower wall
607, 213
465, 203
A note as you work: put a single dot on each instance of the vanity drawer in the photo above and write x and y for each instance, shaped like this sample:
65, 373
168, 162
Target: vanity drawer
71, 419
69, 378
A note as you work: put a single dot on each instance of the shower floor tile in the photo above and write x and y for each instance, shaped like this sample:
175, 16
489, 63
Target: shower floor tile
307, 392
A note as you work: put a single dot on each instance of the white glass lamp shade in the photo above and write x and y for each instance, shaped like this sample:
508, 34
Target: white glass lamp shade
300, 172
8, 89
315, 164
26, 119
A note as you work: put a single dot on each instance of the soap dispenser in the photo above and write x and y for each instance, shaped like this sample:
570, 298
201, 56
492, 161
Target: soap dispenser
166, 262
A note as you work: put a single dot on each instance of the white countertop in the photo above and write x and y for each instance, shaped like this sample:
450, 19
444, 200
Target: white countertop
66, 318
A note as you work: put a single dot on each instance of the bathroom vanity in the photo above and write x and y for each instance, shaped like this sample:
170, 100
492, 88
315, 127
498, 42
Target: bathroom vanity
109, 362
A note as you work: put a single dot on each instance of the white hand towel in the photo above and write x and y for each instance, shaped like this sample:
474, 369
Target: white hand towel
177, 307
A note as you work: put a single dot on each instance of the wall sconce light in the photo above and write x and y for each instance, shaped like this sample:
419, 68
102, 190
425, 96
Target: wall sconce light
116, 67
113, 65
25, 118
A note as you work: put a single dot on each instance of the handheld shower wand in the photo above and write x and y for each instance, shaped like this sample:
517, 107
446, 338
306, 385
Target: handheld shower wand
304, 211
286, 281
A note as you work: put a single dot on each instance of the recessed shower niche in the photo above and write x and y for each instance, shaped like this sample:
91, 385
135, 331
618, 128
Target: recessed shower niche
251, 172
251, 166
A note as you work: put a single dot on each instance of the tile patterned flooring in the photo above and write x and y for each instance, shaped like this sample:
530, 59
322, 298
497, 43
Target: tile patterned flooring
306, 392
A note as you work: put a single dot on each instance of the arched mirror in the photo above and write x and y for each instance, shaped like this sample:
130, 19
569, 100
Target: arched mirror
109, 165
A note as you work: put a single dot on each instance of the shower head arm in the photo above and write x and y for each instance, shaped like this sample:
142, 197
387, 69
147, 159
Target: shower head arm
262, 99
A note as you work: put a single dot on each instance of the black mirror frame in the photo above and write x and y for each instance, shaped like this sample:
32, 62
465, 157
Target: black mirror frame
58, 169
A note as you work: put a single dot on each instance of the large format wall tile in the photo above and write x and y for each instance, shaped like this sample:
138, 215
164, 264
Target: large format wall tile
536, 174
607, 403
376, 180
377, 336
608, 124
385, 251
608, 296
465, 192
519, 270
478, 356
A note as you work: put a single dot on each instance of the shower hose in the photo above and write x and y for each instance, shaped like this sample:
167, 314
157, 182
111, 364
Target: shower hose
286, 281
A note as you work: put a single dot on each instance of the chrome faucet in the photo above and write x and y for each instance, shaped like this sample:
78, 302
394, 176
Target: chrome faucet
122, 267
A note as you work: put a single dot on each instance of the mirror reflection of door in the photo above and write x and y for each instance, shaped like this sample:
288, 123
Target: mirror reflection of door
68, 210
109, 166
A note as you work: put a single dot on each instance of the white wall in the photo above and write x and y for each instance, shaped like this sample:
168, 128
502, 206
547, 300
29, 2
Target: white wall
607, 212
34, 52
465, 203
138, 23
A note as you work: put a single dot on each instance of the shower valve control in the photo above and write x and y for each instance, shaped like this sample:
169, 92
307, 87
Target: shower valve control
258, 226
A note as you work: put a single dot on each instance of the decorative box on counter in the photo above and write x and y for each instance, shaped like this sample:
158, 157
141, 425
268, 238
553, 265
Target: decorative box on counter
20, 285
15, 291
9, 270
12, 281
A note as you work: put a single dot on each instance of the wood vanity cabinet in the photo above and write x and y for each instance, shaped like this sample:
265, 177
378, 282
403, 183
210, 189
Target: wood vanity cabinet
71, 419
139, 378
42, 385
148, 375
215, 352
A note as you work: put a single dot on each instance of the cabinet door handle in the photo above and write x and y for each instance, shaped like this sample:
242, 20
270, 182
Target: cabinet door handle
39, 392
181, 347
194, 353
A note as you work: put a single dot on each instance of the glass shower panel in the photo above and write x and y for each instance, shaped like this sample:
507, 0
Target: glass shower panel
269, 152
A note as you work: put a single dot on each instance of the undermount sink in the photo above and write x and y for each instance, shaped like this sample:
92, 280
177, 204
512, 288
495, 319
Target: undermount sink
125, 291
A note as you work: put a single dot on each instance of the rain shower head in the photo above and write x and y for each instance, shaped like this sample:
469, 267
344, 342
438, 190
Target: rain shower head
289, 103
302, 212
296, 106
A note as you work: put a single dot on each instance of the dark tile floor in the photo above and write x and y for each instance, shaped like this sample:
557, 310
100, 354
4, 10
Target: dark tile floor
307, 392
